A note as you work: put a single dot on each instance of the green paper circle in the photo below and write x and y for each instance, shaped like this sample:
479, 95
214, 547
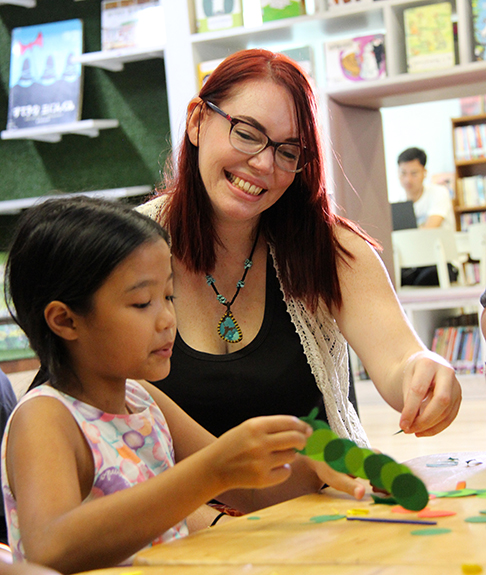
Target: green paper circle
390, 471
317, 442
410, 492
373, 466
326, 518
433, 531
476, 519
354, 460
335, 453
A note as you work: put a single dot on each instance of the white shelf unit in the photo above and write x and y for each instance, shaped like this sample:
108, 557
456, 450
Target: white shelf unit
351, 115
16, 206
114, 60
53, 134
24, 3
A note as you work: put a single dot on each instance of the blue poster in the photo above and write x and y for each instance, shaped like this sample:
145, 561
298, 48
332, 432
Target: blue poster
45, 84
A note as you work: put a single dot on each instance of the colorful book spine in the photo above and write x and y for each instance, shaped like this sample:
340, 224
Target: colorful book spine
429, 37
212, 15
479, 27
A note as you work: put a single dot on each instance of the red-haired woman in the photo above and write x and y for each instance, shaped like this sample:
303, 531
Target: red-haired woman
270, 285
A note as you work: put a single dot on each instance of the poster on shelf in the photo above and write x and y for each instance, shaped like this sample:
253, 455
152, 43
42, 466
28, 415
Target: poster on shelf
132, 24
357, 59
45, 84
205, 69
278, 9
429, 37
212, 15
479, 25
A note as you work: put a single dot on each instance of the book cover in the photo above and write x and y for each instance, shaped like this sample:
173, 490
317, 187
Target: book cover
479, 27
355, 59
205, 69
471, 105
277, 9
429, 37
132, 24
45, 85
304, 57
214, 15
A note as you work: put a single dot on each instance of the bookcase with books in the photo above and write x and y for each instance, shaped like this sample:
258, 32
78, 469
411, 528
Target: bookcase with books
469, 140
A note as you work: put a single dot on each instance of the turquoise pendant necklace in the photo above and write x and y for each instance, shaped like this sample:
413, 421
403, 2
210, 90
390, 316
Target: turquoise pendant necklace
228, 328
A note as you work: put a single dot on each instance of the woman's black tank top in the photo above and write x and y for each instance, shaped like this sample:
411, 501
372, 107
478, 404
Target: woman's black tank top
269, 376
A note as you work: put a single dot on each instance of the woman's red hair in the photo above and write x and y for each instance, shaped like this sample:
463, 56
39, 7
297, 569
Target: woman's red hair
300, 225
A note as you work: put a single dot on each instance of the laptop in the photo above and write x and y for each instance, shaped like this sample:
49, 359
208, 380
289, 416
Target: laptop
403, 216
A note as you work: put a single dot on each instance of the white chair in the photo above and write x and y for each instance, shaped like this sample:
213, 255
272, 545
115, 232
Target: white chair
477, 248
426, 247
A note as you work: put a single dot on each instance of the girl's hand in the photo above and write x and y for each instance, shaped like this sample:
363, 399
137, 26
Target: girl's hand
431, 394
258, 453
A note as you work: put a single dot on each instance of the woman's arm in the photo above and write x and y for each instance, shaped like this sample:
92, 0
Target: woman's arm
413, 380
50, 472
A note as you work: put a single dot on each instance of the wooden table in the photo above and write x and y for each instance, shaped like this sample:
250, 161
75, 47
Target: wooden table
283, 540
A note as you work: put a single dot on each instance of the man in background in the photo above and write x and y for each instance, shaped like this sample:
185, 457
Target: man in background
432, 206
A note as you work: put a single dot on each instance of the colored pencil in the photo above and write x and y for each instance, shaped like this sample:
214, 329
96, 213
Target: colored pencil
383, 520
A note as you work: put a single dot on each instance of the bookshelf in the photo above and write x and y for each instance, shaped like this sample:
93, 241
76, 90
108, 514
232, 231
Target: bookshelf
24, 3
115, 60
469, 140
53, 134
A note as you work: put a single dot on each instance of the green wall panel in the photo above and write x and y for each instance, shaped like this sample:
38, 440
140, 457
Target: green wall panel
129, 155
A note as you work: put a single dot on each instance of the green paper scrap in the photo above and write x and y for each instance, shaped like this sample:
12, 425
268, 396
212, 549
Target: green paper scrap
326, 518
384, 500
433, 531
476, 519
483, 512
382, 471
461, 493
253, 518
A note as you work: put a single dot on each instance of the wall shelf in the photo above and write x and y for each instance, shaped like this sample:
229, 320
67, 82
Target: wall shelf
24, 3
16, 206
53, 134
114, 60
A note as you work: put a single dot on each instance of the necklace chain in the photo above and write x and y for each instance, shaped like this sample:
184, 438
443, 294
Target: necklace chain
228, 328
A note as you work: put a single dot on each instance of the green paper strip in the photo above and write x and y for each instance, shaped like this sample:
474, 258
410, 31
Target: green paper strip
326, 518
436, 531
476, 519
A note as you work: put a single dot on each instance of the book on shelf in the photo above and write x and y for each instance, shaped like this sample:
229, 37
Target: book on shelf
479, 27
358, 59
472, 191
429, 37
470, 141
460, 344
205, 69
278, 9
303, 55
132, 24
472, 105
469, 218
45, 84
212, 15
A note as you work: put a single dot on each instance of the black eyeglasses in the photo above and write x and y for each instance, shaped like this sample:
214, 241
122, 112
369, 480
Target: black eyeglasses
248, 139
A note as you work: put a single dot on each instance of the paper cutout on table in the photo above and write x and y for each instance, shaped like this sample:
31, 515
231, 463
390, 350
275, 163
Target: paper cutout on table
326, 518
476, 519
389, 500
460, 493
428, 512
451, 462
383, 472
483, 512
400, 509
471, 569
253, 518
358, 512
432, 531
460, 485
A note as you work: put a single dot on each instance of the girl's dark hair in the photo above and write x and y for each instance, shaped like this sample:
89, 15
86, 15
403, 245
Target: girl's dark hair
301, 224
65, 249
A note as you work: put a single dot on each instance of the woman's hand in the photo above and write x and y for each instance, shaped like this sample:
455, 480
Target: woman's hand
431, 394
337, 480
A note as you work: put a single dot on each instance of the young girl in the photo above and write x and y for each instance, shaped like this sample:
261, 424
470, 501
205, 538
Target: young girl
90, 283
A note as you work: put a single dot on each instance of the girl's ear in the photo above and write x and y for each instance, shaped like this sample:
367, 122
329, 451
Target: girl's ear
61, 320
194, 116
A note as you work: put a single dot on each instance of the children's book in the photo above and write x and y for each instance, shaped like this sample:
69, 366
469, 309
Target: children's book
355, 59
132, 24
45, 85
429, 37
277, 9
479, 25
205, 69
214, 15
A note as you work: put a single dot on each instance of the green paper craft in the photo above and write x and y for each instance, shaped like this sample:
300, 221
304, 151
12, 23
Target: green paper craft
435, 531
383, 472
476, 519
326, 518
383, 500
